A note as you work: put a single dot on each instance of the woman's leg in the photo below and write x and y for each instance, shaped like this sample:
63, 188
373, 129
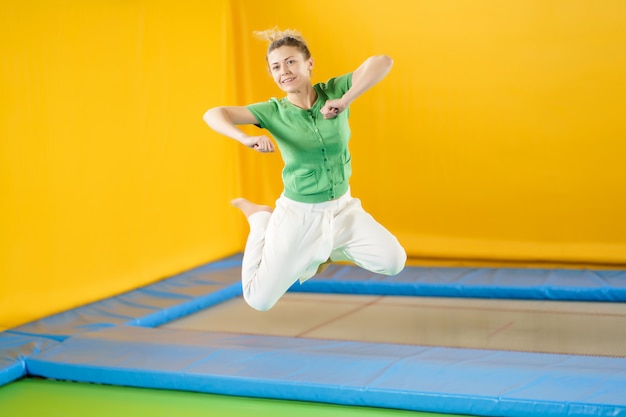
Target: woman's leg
282, 247
360, 239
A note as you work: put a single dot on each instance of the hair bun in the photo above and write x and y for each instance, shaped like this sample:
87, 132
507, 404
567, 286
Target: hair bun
276, 38
275, 34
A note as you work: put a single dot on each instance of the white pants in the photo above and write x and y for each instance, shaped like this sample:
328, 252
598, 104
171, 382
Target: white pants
291, 242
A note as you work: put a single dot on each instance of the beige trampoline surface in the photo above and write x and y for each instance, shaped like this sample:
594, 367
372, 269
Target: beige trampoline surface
582, 328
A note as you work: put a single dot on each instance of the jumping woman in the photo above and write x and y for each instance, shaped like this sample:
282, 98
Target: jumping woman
316, 220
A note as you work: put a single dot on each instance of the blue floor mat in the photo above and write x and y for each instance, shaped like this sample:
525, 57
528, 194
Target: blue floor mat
435, 379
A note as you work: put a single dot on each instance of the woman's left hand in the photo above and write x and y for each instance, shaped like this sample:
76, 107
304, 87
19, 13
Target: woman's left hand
332, 108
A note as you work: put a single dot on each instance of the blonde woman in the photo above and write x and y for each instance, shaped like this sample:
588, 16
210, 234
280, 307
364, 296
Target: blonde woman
316, 220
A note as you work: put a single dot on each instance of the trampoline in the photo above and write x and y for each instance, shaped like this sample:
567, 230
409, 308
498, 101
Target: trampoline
570, 327
150, 339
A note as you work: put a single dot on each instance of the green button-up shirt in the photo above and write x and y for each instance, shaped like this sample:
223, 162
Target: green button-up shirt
314, 150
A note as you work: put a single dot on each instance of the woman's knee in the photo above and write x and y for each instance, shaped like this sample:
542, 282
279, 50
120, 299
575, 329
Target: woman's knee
388, 261
396, 260
259, 302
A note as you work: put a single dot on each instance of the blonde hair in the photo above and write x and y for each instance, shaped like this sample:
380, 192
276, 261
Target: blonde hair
277, 38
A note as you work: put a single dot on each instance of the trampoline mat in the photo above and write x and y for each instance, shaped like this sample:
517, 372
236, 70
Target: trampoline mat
570, 327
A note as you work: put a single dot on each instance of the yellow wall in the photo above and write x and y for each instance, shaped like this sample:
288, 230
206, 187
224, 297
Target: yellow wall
499, 134
110, 179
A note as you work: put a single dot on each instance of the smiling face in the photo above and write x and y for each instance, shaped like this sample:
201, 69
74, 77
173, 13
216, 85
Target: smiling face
290, 69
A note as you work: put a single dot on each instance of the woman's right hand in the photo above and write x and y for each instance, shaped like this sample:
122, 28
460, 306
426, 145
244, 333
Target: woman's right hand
225, 119
259, 143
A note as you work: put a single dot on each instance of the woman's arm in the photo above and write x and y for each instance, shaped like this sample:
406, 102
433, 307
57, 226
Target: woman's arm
224, 120
368, 74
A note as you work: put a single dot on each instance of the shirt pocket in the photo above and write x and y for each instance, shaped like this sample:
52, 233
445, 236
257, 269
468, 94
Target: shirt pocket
346, 170
309, 182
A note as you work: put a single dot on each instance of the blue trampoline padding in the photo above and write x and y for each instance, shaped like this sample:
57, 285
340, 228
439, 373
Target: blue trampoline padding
14, 349
511, 283
152, 305
434, 379
202, 287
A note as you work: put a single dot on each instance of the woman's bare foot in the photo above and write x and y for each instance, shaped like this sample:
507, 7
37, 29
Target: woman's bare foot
248, 208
